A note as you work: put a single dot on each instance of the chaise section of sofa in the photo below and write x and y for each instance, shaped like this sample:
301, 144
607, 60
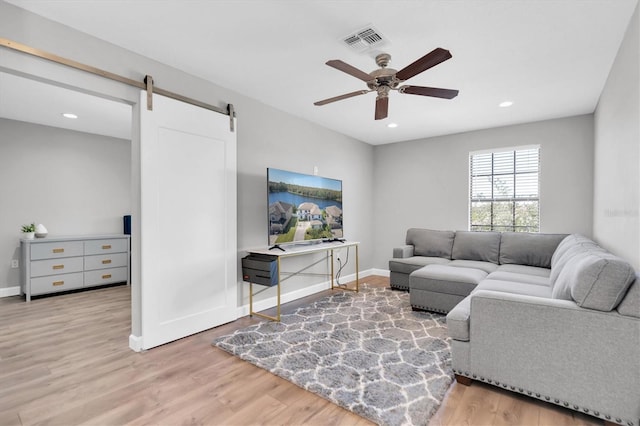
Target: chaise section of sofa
570, 337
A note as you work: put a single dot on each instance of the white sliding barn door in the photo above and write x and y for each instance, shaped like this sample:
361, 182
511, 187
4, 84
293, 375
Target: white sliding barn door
187, 220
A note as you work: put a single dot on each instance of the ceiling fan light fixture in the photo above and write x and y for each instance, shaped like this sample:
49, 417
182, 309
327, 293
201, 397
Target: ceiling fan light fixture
505, 104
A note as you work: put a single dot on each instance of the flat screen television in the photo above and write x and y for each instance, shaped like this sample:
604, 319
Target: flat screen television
303, 207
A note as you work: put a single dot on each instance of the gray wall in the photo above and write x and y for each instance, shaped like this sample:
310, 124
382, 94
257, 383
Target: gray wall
616, 223
266, 137
272, 138
71, 182
425, 183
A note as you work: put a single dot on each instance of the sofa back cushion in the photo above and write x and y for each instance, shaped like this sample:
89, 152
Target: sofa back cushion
531, 249
427, 242
630, 304
469, 245
563, 274
595, 279
568, 242
577, 245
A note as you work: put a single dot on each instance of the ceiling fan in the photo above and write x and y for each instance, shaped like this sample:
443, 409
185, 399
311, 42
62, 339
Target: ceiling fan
384, 79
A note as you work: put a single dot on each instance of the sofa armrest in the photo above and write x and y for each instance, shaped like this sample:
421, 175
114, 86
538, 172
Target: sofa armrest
403, 252
581, 358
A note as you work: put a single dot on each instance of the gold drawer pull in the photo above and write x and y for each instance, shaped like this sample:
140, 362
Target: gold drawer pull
106, 247
106, 261
58, 266
106, 276
55, 283
58, 250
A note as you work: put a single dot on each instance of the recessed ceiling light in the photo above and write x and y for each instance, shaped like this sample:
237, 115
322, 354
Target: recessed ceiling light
392, 125
505, 104
69, 115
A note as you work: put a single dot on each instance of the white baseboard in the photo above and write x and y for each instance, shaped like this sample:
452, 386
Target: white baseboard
303, 292
380, 272
10, 291
135, 343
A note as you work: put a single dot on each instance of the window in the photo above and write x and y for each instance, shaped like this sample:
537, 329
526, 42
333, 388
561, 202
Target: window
504, 190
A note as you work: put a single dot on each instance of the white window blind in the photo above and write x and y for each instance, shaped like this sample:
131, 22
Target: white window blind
504, 190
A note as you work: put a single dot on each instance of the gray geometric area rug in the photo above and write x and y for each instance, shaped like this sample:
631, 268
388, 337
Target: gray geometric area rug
368, 352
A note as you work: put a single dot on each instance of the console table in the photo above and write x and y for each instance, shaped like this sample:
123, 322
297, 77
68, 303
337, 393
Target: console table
55, 264
300, 249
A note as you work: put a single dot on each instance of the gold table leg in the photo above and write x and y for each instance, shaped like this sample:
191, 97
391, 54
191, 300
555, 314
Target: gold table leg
269, 317
357, 269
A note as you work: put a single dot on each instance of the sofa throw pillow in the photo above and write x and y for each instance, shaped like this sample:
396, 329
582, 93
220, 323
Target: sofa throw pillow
531, 249
601, 281
469, 245
427, 242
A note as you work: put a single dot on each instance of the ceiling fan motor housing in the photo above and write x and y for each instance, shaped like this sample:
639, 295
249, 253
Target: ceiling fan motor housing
384, 78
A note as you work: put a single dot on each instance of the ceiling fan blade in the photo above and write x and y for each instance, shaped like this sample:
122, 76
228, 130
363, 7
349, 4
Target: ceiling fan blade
429, 91
341, 97
349, 69
429, 60
382, 107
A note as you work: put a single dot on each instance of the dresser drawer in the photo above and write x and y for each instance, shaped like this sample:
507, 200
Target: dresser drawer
112, 245
56, 250
55, 283
65, 265
105, 276
103, 261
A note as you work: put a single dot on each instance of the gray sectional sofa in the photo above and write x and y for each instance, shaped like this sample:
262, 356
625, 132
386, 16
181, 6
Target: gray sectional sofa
550, 316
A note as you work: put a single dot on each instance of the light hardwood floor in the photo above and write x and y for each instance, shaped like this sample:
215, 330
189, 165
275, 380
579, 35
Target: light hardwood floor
64, 360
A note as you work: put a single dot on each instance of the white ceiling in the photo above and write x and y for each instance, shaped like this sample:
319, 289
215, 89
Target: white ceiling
33, 101
551, 58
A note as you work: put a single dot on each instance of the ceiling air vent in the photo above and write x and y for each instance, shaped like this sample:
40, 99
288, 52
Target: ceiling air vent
364, 39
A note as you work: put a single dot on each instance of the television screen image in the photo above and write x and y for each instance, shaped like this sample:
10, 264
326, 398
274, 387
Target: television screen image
303, 207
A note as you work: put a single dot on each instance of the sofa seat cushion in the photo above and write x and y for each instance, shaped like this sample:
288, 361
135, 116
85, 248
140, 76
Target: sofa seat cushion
487, 267
469, 245
458, 320
410, 264
515, 288
446, 279
427, 242
533, 249
525, 269
520, 278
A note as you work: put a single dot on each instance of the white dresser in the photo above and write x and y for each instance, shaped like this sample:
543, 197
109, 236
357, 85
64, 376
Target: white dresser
53, 264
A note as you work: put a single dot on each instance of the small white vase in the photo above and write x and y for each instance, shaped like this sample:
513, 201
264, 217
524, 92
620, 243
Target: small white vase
41, 231
28, 235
